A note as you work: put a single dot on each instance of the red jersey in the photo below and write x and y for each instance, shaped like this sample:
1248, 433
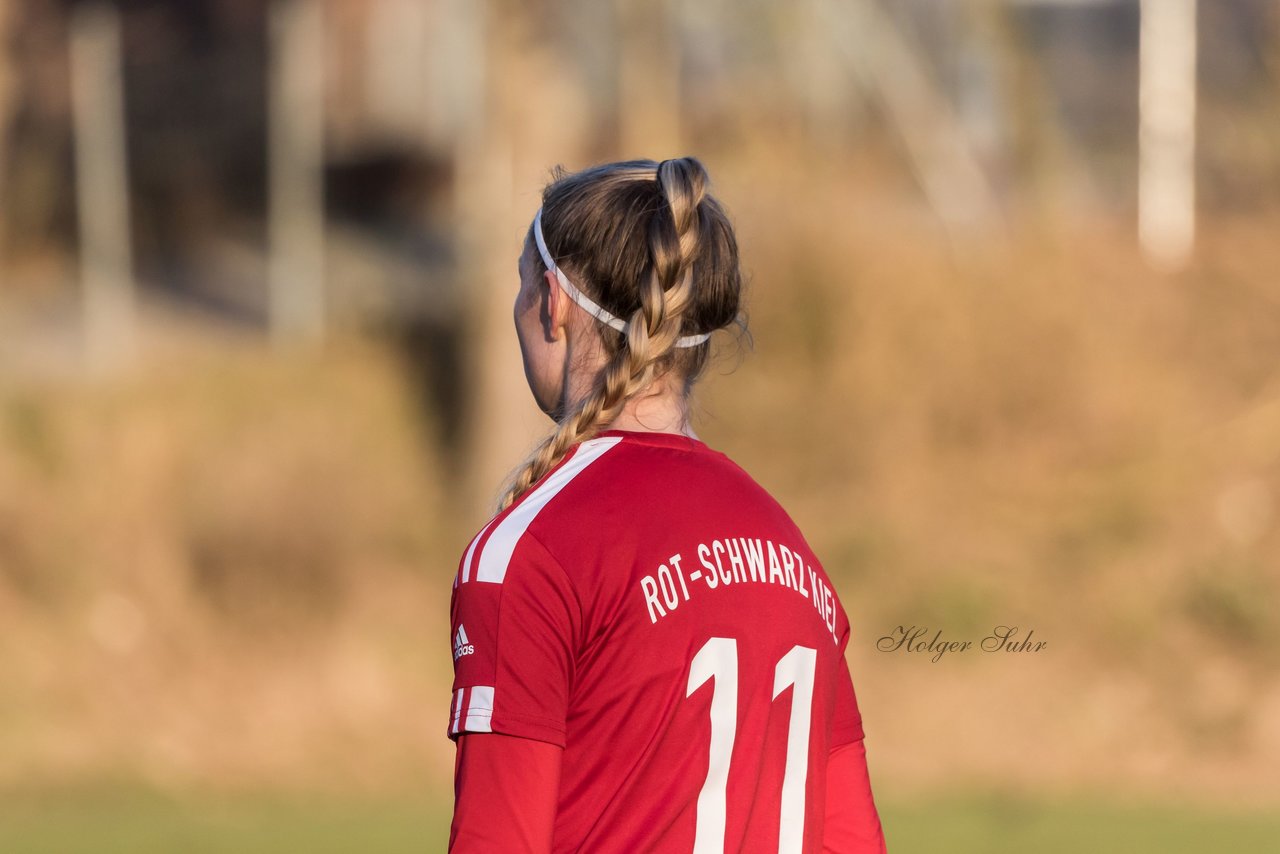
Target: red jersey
650, 609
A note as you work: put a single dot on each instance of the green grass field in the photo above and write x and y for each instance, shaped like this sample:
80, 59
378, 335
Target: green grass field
137, 822
994, 825
141, 823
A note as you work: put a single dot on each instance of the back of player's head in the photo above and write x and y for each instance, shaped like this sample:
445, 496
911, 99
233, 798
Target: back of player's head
649, 247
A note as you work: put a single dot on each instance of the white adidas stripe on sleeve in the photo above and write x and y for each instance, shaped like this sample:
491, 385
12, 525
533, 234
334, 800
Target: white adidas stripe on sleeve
471, 550
495, 557
480, 708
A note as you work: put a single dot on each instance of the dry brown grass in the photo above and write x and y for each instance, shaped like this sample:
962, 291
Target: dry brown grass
234, 568
224, 571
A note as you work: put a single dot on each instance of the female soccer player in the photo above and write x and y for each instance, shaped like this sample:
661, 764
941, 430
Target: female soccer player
647, 655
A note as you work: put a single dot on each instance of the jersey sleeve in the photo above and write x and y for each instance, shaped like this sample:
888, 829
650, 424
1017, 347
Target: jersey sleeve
846, 720
852, 824
504, 794
513, 648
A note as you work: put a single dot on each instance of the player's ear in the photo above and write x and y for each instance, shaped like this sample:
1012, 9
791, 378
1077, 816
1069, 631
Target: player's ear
557, 305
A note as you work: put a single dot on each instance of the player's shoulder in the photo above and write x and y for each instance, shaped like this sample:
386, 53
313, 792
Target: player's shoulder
505, 542
621, 477
606, 489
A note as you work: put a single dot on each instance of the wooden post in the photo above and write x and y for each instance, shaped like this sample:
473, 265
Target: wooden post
649, 95
825, 87
8, 101
396, 56
888, 65
295, 164
1034, 151
487, 246
449, 65
102, 187
1167, 131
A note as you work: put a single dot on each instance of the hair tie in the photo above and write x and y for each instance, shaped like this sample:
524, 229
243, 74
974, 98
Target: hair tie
584, 301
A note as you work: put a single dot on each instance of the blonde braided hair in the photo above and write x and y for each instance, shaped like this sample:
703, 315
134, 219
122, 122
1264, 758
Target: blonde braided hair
648, 238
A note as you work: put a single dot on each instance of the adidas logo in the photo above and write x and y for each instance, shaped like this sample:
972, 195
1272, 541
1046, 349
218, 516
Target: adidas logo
461, 646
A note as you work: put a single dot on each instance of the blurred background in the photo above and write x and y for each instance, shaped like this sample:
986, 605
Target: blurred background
1014, 287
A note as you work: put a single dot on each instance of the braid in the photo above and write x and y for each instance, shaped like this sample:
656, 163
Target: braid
653, 328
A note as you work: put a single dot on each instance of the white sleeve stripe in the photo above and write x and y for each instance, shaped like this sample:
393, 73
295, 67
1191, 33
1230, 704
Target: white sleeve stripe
479, 709
457, 709
471, 550
496, 554
481, 698
479, 724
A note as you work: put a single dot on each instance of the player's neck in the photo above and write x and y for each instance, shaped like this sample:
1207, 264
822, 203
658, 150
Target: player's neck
663, 411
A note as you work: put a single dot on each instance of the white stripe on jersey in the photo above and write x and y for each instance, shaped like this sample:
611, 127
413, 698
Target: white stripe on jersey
480, 708
496, 555
457, 709
471, 550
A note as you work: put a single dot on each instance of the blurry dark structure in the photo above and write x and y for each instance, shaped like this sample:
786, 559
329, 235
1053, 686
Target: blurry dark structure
1001, 113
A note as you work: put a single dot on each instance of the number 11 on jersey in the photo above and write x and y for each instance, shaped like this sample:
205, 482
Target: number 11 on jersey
718, 659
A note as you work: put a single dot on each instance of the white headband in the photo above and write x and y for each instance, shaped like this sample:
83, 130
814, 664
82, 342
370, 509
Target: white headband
584, 301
